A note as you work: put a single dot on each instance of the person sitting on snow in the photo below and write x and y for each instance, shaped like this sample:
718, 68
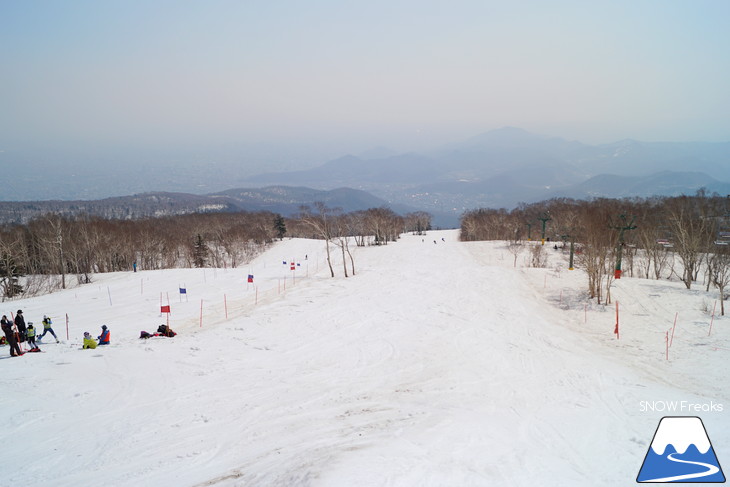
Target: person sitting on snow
47, 328
105, 335
166, 331
88, 341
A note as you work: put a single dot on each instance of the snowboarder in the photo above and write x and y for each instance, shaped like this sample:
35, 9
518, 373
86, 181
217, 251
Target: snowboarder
11, 335
88, 341
20, 323
47, 328
105, 335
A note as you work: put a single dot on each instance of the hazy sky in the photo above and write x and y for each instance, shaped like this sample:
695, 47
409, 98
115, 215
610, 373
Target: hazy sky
217, 77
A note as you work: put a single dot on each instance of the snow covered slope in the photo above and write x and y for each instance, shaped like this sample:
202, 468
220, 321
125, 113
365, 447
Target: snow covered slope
436, 364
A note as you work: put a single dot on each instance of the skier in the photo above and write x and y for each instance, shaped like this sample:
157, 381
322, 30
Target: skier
104, 337
31, 337
47, 328
88, 341
20, 323
11, 335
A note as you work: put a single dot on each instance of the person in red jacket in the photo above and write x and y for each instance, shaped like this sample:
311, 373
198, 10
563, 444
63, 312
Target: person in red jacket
105, 335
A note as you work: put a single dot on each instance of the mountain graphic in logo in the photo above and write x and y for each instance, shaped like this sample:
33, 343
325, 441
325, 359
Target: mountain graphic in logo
681, 452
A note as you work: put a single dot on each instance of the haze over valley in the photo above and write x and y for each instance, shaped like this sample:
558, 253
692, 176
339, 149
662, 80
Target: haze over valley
497, 169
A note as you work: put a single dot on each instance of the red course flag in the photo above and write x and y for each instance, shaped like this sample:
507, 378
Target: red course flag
250, 278
292, 266
165, 309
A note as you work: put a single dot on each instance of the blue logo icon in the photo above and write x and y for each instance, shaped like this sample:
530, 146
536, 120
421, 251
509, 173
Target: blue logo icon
680, 452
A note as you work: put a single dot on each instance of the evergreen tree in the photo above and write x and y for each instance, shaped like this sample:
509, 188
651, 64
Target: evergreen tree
200, 252
9, 274
280, 227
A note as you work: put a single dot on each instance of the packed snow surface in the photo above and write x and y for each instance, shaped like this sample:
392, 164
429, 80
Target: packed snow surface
439, 363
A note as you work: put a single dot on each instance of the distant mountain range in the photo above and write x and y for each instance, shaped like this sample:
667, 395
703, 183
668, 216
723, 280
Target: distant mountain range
504, 167
276, 199
500, 168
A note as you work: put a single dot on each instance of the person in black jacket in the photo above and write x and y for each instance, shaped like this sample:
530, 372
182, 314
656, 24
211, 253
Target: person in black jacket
11, 336
20, 323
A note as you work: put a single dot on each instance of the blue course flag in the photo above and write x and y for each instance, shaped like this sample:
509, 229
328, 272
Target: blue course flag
183, 290
284, 262
250, 278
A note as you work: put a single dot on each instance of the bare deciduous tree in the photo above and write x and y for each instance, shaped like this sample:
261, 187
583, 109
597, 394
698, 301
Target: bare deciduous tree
321, 223
692, 233
720, 272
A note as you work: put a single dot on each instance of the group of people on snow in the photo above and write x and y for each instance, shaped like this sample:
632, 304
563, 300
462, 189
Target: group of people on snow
103, 339
16, 332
